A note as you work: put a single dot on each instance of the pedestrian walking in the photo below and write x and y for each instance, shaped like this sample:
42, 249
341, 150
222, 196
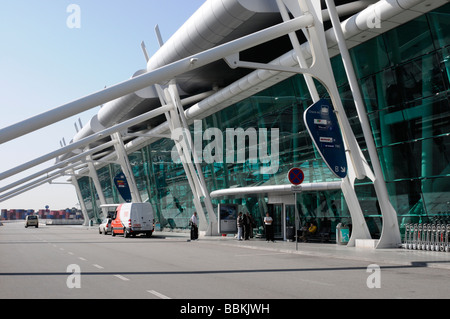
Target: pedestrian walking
193, 222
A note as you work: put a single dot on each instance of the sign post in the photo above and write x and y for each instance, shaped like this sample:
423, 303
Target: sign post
296, 177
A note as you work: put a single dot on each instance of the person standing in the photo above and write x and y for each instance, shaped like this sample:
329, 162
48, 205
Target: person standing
252, 224
240, 224
268, 223
247, 222
194, 226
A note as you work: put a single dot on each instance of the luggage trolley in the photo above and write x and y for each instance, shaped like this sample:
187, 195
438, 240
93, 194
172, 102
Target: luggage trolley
437, 244
414, 241
411, 236
406, 237
433, 237
447, 231
428, 243
419, 237
443, 235
424, 237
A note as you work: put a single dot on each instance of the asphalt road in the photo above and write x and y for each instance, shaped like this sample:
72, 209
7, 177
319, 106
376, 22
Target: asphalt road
54, 262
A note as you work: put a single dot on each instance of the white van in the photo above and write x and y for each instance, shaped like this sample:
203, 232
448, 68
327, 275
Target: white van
133, 218
31, 220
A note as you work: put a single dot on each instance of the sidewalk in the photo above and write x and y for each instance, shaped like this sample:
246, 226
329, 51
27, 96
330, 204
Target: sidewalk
400, 256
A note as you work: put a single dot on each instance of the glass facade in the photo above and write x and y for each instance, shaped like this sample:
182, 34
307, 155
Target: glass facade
404, 77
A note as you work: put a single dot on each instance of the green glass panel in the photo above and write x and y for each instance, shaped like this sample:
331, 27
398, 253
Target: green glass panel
409, 40
422, 158
406, 198
400, 161
444, 63
440, 25
372, 95
436, 194
416, 79
90, 198
339, 71
106, 182
417, 120
137, 160
369, 57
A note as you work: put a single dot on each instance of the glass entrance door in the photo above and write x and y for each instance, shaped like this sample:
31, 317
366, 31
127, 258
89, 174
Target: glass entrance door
290, 215
290, 222
276, 212
283, 220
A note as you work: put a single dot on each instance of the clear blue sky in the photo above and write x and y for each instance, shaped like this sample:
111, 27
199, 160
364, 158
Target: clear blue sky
44, 64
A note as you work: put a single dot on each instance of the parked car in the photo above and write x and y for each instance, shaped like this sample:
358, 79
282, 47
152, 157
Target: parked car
31, 220
133, 218
105, 226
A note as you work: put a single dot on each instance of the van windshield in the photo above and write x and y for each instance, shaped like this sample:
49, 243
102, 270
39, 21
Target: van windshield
32, 217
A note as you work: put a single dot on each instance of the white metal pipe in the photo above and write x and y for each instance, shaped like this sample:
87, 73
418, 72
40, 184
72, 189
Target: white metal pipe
390, 223
275, 189
194, 32
26, 189
85, 141
38, 181
134, 144
58, 165
301, 59
159, 75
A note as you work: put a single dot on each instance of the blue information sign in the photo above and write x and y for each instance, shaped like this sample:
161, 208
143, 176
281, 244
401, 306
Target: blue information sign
323, 127
122, 186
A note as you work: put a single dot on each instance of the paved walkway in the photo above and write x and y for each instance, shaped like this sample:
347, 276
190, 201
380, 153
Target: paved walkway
400, 256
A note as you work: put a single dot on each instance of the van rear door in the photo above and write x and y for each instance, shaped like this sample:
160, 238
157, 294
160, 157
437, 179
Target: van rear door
135, 217
142, 217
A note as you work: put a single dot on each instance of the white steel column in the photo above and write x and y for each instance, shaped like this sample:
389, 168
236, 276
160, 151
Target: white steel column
186, 151
322, 71
197, 170
390, 236
123, 161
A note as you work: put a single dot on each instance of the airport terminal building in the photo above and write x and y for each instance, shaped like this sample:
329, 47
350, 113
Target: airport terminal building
252, 103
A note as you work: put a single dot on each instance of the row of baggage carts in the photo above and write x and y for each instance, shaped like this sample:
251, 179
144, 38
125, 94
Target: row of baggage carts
433, 237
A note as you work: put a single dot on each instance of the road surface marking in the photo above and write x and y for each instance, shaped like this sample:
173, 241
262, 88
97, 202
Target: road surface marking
122, 277
157, 294
97, 266
265, 254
